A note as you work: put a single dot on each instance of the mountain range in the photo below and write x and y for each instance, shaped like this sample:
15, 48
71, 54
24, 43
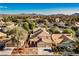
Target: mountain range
34, 14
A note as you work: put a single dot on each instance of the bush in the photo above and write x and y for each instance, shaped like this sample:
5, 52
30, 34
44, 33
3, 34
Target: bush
74, 28
54, 30
69, 31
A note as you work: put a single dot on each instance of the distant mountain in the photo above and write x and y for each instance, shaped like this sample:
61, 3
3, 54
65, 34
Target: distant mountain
58, 15
34, 14
75, 14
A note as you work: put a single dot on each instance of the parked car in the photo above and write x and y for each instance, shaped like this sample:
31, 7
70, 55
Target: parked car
2, 46
49, 50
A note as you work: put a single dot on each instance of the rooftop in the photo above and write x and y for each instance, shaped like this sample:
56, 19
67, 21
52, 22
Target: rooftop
58, 38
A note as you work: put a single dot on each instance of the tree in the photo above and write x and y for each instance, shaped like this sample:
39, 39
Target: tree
77, 44
46, 24
18, 34
54, 30
69, 31
31, 25
76, 50
28, 26
4, 19
74, 28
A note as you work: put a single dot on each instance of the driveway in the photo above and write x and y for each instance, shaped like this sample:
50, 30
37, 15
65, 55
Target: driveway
6, 51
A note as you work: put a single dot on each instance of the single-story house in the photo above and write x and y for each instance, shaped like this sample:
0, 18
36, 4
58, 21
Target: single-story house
42, 39
63, 39
77, 24
57, 19
1, 23
2, 35
45, 37
6, 26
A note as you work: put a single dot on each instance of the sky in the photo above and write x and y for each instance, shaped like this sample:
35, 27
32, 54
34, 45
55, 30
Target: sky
39, 8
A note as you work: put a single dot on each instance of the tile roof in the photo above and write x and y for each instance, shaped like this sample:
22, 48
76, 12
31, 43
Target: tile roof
44, 35
2, 34
58, 38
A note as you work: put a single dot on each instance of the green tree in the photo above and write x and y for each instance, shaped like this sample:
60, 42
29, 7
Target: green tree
28, 26
69, 31
74, 28
4, 19
46, 23
54, 30
18, 34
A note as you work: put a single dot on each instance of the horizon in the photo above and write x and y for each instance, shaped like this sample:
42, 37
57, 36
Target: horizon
39, 8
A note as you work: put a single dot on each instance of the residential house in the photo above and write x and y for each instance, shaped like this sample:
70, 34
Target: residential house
57, 19
4, 27
77, 24
61, 24
64, 42
41, 38
40, 25
45, 39
3, 37
63, 39
10, 25
1, 23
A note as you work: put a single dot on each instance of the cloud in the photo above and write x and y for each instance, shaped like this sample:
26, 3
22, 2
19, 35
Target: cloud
3, 7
